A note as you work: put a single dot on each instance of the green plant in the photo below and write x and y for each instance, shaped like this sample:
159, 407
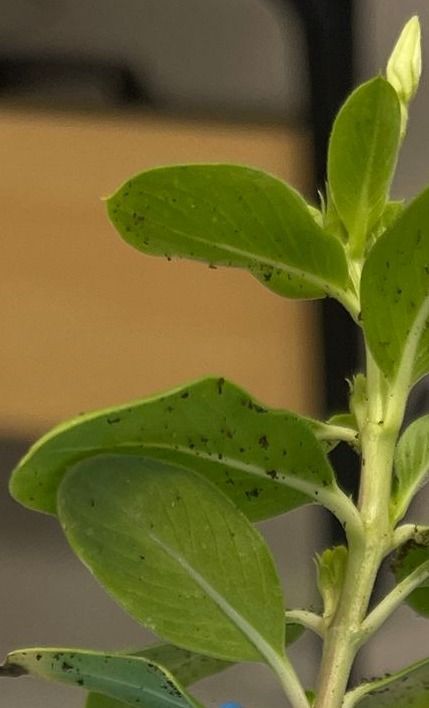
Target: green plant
158, 497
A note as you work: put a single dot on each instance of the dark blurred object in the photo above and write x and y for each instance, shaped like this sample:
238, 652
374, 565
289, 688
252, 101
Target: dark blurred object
70, 81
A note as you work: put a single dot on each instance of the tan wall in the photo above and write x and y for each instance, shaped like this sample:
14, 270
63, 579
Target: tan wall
86, 321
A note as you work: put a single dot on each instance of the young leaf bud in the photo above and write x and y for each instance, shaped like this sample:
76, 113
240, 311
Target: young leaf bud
331, 566
405, 64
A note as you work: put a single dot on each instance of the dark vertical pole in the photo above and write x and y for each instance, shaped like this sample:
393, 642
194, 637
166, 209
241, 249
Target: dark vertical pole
328, 26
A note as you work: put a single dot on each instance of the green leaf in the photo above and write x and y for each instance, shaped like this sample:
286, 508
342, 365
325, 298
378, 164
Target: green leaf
186, 666
176, 554
133, 680
395, 296
231, 216
410, 556
266, 461
362, 157
408, 688
411, 466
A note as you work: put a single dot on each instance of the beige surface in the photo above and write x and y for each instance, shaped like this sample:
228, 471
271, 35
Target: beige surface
87, 321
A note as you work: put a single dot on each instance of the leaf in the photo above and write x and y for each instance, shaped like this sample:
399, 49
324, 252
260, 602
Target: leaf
133, 680
211, 426
231, 216
176, 554
395, 295
362, 157
186, 666
411, 466
408, 688
410, 556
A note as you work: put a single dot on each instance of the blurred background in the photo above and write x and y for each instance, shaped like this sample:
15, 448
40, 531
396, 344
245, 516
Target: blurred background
89, 94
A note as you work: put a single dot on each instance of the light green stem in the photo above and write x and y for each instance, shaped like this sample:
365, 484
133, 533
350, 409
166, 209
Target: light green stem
367, 548
307, 619
290, 682
392, 601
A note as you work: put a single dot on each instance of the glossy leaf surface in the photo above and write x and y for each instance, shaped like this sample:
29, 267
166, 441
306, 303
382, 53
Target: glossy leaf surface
411, 465
412, 555
211, 426
176, 554
133, 680
231, 216
408, 688
395, 295
362, 156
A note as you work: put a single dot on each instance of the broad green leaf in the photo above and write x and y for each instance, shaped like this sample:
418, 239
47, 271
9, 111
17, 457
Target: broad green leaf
413, 555
231, 216
186, 666
134, 680
411, 465
211, 426
362, 157
395, 295
176, 554
408, 688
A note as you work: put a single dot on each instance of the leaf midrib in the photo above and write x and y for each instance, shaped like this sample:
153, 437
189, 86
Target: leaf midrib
325, 285
251, 634
286, 479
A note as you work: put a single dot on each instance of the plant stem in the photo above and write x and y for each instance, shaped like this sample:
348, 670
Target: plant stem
290, 682
367, 548
392, 601
307, 619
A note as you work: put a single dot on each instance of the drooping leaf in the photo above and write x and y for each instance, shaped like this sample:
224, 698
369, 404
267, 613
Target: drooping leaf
186, 666
176, 554
231, 216
410, 556
362, 157
408, 688
395, 295
211, 426
134, 680
411, 465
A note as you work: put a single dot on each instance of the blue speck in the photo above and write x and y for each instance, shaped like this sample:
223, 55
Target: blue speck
230, 705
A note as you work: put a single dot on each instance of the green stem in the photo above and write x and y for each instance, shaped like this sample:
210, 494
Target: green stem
367, 548
392, 601
290, 682
307, 619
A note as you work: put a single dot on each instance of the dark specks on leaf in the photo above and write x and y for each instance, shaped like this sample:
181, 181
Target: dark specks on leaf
263, 442
272, 473
253, 493
185, 394
112, 421
220, 384
66, 667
